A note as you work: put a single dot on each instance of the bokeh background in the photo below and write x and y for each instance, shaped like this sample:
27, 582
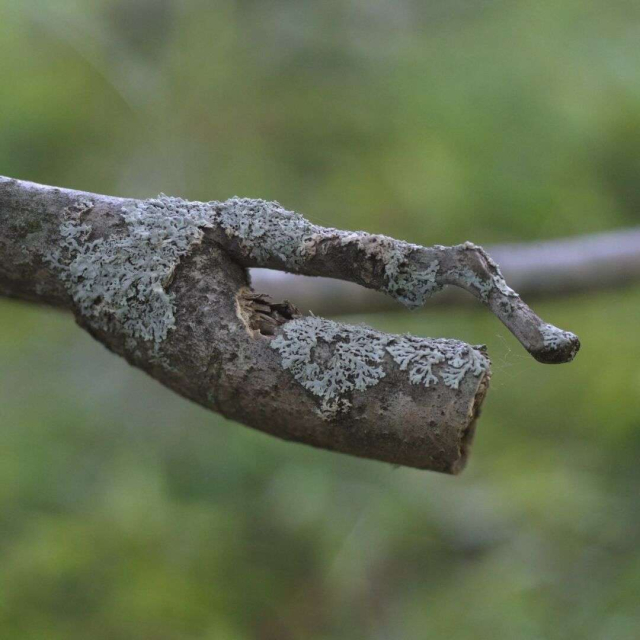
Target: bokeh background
127, 512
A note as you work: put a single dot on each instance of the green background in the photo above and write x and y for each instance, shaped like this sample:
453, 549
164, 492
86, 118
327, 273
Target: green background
126, 512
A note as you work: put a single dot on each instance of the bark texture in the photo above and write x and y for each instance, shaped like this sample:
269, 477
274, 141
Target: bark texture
535, 269
164, 283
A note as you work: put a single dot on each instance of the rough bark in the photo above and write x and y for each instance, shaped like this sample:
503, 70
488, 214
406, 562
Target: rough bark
164, 284
564, 266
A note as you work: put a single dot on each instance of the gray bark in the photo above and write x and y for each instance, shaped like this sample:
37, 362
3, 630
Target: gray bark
164, 284
535, 269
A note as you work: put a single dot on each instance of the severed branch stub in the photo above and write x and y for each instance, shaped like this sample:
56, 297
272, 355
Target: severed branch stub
164, 283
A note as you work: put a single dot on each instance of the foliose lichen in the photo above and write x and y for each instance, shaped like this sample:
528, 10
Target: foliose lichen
404, 281
266, 230
119, 282
418, 356
412, 287
484, 287
353, 362
470, 278
332, 360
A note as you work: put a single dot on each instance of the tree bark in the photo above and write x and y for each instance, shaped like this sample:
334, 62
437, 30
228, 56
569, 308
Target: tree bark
564, 266
164, 283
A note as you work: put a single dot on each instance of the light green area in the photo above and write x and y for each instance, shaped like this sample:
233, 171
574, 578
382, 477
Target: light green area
128, 513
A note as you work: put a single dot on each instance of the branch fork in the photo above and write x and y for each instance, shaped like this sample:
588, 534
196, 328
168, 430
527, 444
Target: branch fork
164, 283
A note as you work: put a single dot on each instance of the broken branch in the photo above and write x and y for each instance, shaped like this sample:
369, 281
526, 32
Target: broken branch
163, 283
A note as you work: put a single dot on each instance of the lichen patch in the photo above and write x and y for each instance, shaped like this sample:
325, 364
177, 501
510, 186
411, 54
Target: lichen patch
419, 357
266, 230
470, 278
496, 280
403, 280
332, 360
554, 338
119, 283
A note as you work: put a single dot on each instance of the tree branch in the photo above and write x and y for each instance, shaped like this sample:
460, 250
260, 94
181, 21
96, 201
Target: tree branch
536, 269
164, 283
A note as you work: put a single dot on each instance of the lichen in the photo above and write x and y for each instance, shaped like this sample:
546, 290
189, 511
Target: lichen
118, 282
332, 360
404, 280
470, 278
554, 338
484, 287
419, 357
266, 230
353, 363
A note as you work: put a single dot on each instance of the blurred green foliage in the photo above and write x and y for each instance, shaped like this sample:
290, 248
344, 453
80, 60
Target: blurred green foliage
126, 512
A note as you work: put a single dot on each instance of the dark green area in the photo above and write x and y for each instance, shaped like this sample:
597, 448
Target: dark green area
128, 513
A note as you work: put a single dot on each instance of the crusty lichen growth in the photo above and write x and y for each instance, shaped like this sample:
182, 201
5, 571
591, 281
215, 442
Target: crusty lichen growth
119, 282
403, 281
497, 278
332, 360
483, 286
470, 278
419, 356
266, 230
353, 362
553, 337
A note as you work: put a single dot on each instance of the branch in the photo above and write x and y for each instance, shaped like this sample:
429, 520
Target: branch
164, 283
536, 269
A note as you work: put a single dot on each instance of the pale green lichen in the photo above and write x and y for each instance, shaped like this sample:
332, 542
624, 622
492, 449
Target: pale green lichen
332, 360
470, 278
353, 363
266, 230
554, 338
485, 286
419, 356
404, 281
118, 282
412, 287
